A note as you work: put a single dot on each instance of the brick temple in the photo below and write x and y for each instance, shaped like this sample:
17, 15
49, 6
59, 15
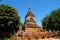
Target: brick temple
30, 25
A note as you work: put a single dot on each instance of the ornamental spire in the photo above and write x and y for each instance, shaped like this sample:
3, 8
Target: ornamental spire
29, 7
29, 13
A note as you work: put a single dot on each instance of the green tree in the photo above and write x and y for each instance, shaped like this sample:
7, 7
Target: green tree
9, 21
45, 22
52, 21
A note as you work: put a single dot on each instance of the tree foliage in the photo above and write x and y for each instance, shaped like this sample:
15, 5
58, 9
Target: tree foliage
9, 20
52, 21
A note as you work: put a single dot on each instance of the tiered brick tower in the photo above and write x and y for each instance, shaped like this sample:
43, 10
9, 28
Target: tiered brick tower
30, 25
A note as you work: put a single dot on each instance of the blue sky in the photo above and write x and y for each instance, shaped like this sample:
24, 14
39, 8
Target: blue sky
40, 8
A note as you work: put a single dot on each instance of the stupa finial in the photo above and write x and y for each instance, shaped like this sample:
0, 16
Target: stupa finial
29, 7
